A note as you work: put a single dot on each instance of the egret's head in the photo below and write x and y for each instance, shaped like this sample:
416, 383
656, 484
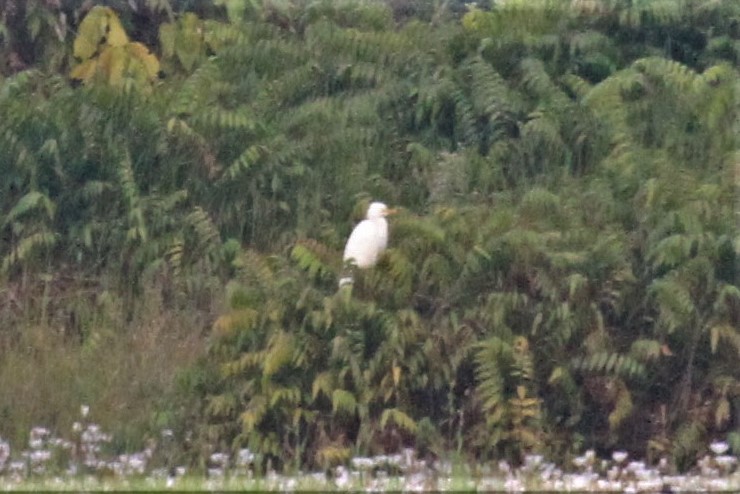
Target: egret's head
378, 210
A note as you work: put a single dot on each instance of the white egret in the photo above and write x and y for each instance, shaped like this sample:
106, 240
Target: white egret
368, 240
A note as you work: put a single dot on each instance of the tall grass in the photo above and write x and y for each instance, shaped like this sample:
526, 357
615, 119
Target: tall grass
125, 371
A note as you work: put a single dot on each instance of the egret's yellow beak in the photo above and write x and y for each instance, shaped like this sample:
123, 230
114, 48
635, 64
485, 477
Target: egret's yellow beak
391, 211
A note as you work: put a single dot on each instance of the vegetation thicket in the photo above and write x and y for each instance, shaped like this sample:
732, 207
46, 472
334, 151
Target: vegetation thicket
179, 178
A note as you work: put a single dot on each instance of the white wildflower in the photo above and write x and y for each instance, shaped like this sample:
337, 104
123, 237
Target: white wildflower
4, 453
244, 457
725, 461
532, 461
215, 472
619, 456
40, 456
219, 459
362, 463
719, 447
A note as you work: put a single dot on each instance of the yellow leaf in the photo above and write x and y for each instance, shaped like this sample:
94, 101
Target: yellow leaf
116, 34
279, 354
322, 384
722, 414
556, 375
521, 392
249, 420
112, 62
84, 71
141, 53
396, 375
91, 32
399, 418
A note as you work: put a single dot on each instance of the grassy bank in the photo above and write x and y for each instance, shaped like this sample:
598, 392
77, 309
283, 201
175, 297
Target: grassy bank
124, 370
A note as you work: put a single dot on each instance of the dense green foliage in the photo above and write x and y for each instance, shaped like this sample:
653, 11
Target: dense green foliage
563, 274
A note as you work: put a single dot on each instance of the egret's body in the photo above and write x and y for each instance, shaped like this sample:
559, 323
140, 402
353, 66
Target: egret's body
368, 240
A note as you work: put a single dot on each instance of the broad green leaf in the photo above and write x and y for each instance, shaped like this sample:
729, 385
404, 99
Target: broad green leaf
167, 37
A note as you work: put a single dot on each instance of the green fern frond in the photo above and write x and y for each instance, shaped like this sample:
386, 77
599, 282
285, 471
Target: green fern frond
32, 201
27, 247
219, 36
237, 320
589, 41
192, 95
399, 418
728, 299
579, 86
499, 305
246, 362
222, 405
670, 71
94, 189
323, 383
279, 354
725, 333
525, 22
489, 357
675, 303
255, 268
343, 402
207, 236
607, 362
415, 237
315, 258
400, 270
16, 150
672, 251
221, 119
640, 13
130, 191
284, 396
253, 414
647, 350
248, 159
538, 202
490, 93
717, 97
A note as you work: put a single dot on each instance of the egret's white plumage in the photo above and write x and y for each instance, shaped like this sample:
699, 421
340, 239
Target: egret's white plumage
368, 240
